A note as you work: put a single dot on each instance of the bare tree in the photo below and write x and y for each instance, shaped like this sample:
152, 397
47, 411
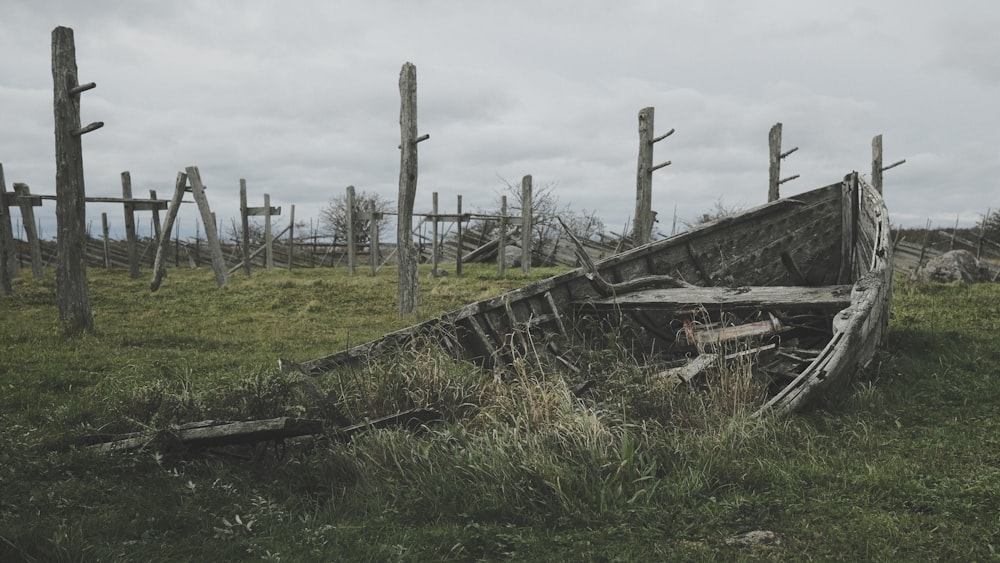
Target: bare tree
719, 210
333, 217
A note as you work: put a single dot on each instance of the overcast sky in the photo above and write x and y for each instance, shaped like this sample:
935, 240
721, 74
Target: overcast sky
301, 99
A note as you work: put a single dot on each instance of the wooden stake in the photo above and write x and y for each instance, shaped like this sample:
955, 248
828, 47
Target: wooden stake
268, 242
157, 228
8, 266
352, 248
160, 264
23, 194
130, 238
211, 232
291, 238
245, 225
502, 242
525, 224
374, 218
408, 280
435, 250
460, 238
71, 213
107, 241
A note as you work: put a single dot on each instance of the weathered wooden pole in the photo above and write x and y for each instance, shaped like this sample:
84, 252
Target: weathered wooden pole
352, 250
8, 252
211, 233
776, 156
291, 238
459, 238
245, 225
434, 243
268, 243
526, 224
6, 240
71, 214
642, 230
157, 227
877, 168
23, 194
130, 236
374, 218
160, 264
107, 241
406, 254
502, 241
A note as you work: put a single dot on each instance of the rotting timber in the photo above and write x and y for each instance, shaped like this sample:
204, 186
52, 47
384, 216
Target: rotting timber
800, 285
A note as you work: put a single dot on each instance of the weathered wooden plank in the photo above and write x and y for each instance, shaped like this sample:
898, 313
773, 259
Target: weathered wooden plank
223, 433
780, 297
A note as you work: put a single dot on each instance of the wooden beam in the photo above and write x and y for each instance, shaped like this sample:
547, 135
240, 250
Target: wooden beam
221, 433
160, 264
526, 224
833, 297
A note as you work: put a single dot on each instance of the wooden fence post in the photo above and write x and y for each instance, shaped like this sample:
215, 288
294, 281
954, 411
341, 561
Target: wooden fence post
459, 238
352, 250
6, 239
877, 168
23, 194
160, 265
268, 243
245, 225
526, 224
375, 217
130, 237
71, 213
157, 228
435, 250
211, 233
502, 241
408, 280
291, 238
107, 241
776, 156
642, 230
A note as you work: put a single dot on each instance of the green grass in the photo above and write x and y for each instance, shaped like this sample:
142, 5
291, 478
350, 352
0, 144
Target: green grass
903, 466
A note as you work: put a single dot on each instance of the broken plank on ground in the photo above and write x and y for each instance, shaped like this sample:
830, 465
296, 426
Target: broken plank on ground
222, 433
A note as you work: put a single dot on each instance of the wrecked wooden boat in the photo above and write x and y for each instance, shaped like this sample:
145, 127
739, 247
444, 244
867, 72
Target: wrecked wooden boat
800, 285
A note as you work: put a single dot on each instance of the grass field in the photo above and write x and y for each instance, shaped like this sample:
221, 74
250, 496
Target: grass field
903, 466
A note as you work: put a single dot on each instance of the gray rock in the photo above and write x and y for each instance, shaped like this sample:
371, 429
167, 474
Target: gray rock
957, 265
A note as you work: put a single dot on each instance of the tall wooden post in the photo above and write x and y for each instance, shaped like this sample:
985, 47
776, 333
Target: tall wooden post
406, 254
23, 194
160, 264
434, 243
8, 252
130, 237
877, 168
352, 249
268, 243
245, 225
642, 230
776, 156
211, 233
526, 224
374, 218
502, 241
157, 227
107, 241
6, 239
291, 238
459, 238
71, 216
